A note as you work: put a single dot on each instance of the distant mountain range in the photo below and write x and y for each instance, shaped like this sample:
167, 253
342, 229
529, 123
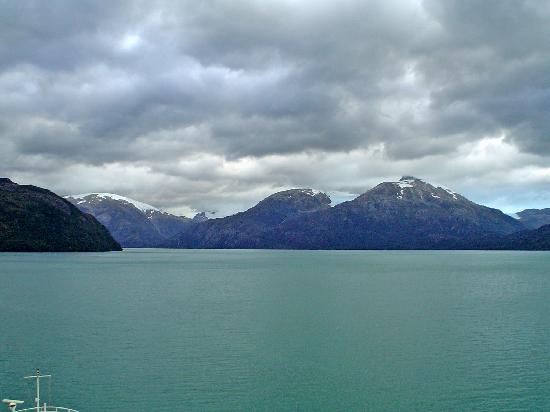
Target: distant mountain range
33, 219
407, 214
132, 223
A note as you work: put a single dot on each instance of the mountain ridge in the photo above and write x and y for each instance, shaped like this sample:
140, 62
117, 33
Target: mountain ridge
407, 214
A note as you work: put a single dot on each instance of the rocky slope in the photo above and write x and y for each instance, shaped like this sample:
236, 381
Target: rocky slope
33, 219
132, 223
408, 214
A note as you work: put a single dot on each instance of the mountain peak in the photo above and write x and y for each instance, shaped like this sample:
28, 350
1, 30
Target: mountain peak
310, 196
282, 205
200, 217
410, 188
410, 178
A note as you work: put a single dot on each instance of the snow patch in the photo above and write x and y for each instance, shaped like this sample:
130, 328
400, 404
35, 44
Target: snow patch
514, 215
403, 184
449, 191
311, 192
84, 197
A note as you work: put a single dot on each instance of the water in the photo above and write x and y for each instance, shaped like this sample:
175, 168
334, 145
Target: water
278, 330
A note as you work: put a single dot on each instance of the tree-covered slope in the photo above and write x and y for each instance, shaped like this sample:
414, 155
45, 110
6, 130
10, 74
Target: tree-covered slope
33, 219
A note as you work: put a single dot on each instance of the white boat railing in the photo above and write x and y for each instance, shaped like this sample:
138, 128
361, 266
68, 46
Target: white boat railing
12, 404
47, 409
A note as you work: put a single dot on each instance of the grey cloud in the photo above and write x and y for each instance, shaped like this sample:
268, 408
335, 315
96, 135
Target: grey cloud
157, 84
490, 59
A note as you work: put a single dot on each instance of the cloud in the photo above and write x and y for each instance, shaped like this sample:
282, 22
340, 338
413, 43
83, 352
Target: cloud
212, 105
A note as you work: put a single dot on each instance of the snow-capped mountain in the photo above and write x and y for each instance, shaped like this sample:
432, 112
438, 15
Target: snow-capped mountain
132, 223
90, 197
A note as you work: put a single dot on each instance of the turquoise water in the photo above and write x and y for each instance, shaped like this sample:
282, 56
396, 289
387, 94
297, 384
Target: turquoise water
278, 330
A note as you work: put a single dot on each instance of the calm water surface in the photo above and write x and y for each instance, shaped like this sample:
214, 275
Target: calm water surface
278, 330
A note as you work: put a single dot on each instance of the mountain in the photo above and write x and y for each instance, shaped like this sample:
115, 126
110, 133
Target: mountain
408, 214
132, 223
33, 219
255, 227
534, 218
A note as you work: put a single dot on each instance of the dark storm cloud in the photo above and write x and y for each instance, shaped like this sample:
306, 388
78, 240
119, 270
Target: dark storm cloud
158, 86
492, 61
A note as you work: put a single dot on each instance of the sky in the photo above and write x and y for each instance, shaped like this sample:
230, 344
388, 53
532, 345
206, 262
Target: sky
213, 105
